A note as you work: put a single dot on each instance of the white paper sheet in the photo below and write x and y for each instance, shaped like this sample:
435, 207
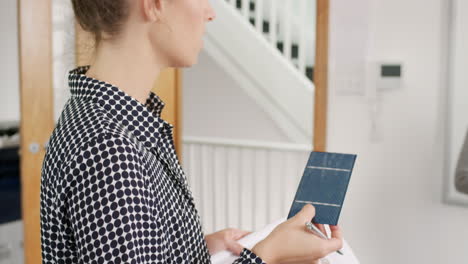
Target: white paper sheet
225, 257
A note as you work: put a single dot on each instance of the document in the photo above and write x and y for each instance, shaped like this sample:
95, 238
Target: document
249, 241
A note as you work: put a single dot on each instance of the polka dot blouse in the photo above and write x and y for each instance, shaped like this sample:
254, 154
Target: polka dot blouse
112, 188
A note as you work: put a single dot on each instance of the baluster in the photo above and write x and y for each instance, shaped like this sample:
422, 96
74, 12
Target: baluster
245, 9
273, 22
287, 30
259, 16
303, 31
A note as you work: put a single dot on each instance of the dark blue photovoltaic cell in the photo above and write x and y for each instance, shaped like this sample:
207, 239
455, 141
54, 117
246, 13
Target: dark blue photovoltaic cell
324, 184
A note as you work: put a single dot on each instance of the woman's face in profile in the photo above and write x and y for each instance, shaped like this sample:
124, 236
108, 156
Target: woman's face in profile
183, 26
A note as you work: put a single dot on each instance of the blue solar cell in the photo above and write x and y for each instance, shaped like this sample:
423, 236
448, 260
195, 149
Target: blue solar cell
324, 185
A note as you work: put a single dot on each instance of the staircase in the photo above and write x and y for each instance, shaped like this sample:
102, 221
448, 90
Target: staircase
267, 47
265, 29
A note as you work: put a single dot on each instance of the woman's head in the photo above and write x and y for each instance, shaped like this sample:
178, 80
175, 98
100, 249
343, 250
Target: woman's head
172, 28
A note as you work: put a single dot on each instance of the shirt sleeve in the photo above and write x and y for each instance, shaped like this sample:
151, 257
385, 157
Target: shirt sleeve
461, 172
109, 208
248, 257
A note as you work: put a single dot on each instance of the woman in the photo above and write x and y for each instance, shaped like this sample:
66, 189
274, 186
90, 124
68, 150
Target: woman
112, 189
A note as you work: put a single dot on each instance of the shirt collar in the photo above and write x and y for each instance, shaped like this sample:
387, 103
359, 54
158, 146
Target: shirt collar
143, 121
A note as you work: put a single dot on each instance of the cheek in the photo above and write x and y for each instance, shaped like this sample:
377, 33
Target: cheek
189, 31
192, 19
187, 26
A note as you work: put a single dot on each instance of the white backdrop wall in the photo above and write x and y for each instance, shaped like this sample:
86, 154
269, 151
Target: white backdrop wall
394, 213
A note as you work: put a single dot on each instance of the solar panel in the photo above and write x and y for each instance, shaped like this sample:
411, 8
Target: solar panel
324, 185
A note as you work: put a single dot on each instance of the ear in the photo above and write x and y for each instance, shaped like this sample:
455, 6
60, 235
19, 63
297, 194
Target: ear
152, 9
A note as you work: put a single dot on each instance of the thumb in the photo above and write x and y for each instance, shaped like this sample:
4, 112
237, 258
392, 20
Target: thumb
305, 214
235, 247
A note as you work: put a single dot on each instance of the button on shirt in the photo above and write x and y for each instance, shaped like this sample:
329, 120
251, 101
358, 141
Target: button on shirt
112, 188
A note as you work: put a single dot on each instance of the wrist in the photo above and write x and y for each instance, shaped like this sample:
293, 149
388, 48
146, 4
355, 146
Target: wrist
262, 250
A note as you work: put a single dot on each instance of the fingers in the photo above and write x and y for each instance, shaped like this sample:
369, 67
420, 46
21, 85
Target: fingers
321, 227
336, 232
336, 241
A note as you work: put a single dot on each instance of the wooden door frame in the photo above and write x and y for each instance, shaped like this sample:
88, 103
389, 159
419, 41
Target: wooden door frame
321, 75
36, 113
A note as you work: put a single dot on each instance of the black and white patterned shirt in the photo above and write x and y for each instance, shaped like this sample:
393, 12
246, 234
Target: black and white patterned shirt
112, 188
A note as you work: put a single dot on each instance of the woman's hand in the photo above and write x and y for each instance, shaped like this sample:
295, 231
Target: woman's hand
291, 242
226, 239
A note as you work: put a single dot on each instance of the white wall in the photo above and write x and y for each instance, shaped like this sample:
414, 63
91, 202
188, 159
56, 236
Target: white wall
215, 106
9, 72
393, 212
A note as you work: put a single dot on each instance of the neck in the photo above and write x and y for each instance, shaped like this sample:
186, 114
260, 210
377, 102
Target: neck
127, 67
